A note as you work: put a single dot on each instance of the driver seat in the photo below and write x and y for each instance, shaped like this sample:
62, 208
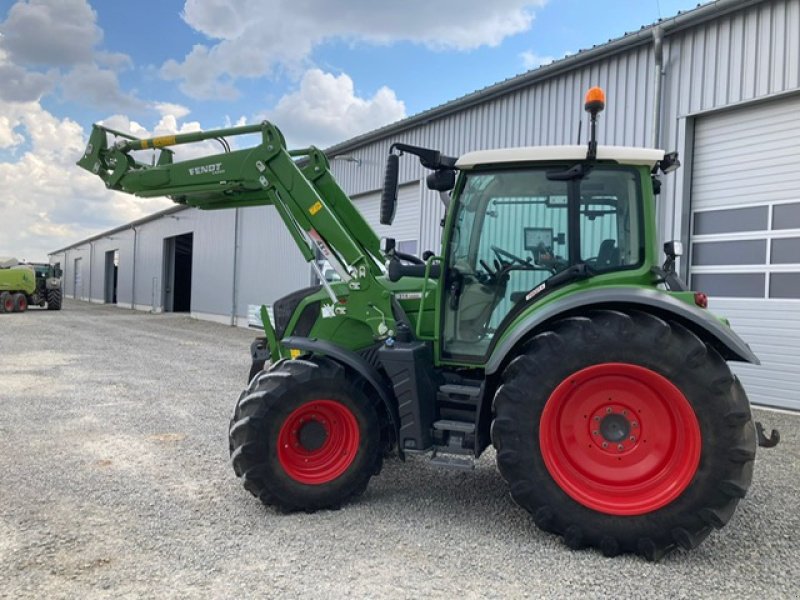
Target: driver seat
608, 255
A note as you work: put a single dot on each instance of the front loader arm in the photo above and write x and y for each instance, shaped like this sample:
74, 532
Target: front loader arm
308, 199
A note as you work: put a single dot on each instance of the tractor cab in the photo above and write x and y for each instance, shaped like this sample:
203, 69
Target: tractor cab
526, 221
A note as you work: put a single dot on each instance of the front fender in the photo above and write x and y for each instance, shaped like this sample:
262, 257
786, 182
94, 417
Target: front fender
700, 321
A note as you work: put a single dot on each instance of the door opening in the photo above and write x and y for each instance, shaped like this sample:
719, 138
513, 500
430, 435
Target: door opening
178, 273
112, 269
77, 283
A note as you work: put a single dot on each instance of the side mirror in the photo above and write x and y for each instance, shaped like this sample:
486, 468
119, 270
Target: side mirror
669, 163
673, 249
441, 180
389, 196
387, 245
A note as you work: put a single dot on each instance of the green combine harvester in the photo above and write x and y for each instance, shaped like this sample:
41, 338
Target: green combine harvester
546, 326
29, 284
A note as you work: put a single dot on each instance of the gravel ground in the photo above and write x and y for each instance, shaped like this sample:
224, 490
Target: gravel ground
115, 482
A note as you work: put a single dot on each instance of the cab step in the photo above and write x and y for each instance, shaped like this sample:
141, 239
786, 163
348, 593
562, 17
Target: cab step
456, 447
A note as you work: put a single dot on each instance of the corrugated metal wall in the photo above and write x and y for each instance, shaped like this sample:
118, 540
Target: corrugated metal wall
269, 264
744, 55
748, 54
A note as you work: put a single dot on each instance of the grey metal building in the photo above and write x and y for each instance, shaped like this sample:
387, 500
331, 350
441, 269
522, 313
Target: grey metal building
720, 84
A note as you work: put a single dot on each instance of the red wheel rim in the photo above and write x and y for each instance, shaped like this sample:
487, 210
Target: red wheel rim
620, 439
318, 442
23, 303
9, 303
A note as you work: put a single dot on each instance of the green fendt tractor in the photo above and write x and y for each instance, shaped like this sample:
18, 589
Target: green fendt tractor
28, 284
544, 326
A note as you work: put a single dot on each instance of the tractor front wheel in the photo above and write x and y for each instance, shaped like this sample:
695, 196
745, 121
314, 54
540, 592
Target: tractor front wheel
624, 432
304, 436
54, 299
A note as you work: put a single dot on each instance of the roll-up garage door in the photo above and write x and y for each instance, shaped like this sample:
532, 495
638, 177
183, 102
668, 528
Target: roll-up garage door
745, 238
405, 229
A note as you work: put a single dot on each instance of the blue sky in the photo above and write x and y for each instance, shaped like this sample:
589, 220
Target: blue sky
323, 71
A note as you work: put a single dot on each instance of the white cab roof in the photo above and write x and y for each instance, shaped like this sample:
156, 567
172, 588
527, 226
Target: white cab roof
622, 154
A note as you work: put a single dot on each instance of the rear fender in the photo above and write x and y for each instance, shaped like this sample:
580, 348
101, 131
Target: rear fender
700, 321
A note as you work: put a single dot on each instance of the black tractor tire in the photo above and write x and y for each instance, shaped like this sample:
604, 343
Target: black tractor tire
54, 299
305, 410
709, 463
20, 302
255, 368
3, 300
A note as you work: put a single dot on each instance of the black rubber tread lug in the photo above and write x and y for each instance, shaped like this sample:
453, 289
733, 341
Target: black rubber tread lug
733, 489
609, 546
689, 540
717, 517
573, 537
737, 417
648, 549
240, 427
545, 518
741, 455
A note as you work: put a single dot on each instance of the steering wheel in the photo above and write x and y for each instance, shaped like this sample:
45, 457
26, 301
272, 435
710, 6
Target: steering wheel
500, 253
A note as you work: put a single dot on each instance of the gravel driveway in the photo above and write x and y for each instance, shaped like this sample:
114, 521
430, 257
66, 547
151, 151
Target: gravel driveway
115, 482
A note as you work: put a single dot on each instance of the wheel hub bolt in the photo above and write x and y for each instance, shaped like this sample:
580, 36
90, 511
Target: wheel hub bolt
633, 438
605, 444
620, 447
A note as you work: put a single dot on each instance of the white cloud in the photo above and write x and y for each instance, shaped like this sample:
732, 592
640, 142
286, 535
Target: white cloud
20, 85
59, 37
50, 32
326, 110
168, 108
45, 199
93, 86
531, 60
257, 37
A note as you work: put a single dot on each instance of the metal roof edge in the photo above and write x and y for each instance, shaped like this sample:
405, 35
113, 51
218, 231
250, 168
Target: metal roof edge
131, 225
681, 21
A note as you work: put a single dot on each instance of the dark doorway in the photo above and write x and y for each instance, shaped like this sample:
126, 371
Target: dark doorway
178, 273
112, 268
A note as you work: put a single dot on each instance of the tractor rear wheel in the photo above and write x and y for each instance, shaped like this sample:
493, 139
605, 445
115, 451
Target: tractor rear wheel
6, 303
304, 436
54, 299
624, 432
20, 302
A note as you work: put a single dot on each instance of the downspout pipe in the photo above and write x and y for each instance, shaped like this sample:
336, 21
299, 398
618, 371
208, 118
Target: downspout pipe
658, 54
235, 294
91, 268
133, 276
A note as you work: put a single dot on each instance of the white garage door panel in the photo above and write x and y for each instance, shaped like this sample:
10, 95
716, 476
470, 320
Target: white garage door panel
729, 146
776, 342
406, 218
751, 158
